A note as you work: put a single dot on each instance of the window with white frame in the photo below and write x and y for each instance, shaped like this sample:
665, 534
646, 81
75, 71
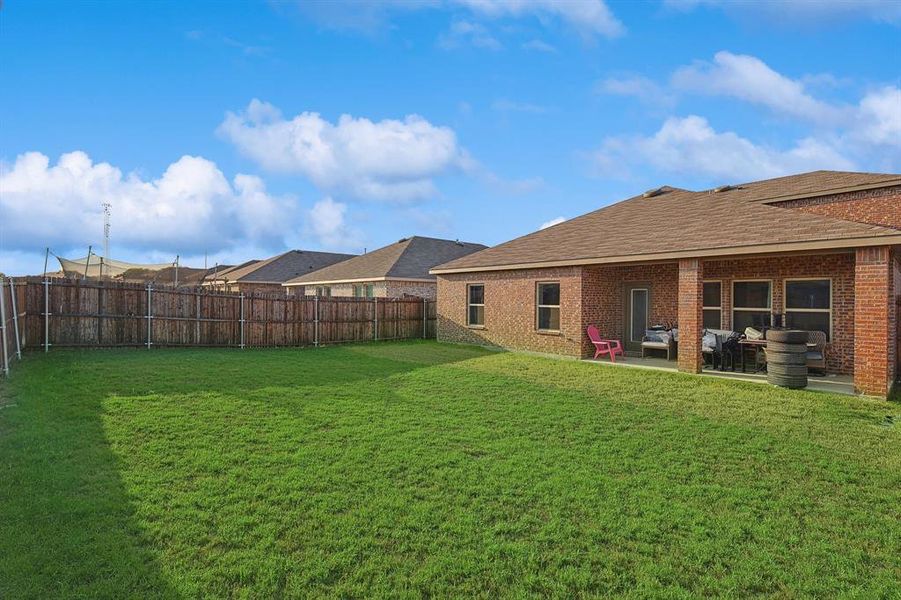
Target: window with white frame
475, 305
713, 305
752, 303
808, 305
358, 291
548, 307
369, 289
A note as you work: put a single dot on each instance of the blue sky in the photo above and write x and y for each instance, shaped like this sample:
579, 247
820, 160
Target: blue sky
241, 129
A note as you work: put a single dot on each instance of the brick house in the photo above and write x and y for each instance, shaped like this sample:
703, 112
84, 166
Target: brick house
816, 251
268, 275
397, 270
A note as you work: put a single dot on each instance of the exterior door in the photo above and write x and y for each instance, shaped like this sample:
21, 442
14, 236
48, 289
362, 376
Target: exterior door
637, 301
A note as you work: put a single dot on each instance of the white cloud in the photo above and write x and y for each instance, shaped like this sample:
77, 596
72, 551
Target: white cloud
589, 17
328, 224
691, 145
552, 222
389, 160
803, 11
750, 79
191, 207
879, 117
539, 46
645, 90
466, 33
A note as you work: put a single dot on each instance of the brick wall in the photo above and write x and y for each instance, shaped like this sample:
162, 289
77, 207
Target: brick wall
383, 289
691, 322
510, 310
875, 321
419, 289
838, 267
603, 297
595, 295
877, 207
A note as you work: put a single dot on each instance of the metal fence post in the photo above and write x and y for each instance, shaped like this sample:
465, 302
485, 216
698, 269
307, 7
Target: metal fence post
12, 295
3, 331
375, 317
242, 321
149, 317
46, 315
316, 320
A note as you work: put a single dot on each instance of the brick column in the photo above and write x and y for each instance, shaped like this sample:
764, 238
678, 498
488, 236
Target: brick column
874, 321
691, 320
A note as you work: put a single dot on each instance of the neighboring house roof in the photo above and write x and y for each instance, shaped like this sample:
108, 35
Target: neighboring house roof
408, 259
678, 223
221, 273
283, 267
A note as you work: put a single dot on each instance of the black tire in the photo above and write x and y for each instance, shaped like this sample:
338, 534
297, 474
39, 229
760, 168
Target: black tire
781, 347
787, 370
786, 336
786, 358
789, 382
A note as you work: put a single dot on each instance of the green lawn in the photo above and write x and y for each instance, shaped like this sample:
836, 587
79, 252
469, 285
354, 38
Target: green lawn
414, 469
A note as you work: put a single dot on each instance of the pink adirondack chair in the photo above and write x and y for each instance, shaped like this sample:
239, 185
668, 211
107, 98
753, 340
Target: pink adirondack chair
602, 346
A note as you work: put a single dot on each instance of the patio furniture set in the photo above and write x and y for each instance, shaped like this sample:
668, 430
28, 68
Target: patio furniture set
722, 349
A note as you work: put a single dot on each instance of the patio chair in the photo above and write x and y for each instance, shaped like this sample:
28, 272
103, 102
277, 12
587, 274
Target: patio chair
816, 356
603, 346
657, 340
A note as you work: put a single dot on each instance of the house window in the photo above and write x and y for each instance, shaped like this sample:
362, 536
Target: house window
324, 291
475, 305
548, 306
713, 305
808, 305
752, 303
369, 290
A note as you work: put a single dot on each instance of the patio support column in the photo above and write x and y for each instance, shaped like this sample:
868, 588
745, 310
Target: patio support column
691, 320
874, 321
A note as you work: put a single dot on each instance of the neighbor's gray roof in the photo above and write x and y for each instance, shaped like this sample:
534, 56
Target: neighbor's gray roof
679, 222
281, 268
409, 258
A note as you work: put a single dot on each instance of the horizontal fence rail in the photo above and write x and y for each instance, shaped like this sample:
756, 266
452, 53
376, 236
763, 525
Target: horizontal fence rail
55, 313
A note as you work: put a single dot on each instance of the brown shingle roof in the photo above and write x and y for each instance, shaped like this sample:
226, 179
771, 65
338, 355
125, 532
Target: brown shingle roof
685, 223
409, 258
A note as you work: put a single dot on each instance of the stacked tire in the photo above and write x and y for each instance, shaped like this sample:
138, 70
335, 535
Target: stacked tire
786, 358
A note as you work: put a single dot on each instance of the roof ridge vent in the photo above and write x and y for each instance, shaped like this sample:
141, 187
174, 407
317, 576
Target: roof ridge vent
654, 192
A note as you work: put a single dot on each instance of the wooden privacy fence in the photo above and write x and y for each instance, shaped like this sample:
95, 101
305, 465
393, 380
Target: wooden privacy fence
12, 323
76, 313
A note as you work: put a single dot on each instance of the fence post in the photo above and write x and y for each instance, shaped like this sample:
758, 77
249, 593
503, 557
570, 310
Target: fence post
316, 320
12, 296
242, 321
46, 315
3, 331
197, 322
425, 304
149, 317
375, 316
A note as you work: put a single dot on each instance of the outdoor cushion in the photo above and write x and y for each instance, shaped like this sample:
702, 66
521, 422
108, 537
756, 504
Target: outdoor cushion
814, 355
653, 335
708, 342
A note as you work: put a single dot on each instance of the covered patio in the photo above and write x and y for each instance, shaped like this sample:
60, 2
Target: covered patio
844, 294
828, 382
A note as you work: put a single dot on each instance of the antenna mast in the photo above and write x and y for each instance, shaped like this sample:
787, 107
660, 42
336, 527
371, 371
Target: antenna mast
106, 215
